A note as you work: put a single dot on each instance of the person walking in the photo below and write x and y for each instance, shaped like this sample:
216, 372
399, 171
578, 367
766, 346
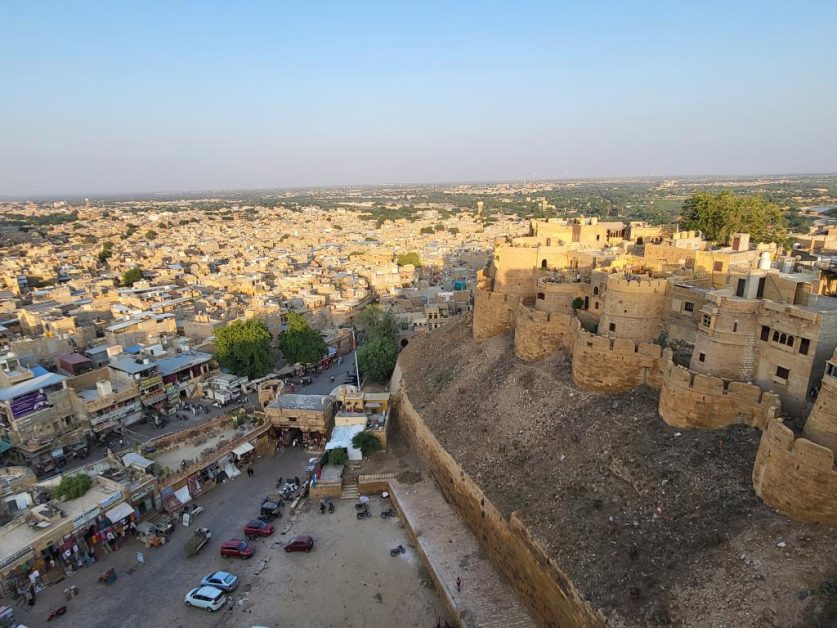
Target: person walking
458, 583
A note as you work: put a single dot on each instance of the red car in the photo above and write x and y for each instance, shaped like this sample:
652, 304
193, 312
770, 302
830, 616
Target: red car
300, 544
257, 527
237, 549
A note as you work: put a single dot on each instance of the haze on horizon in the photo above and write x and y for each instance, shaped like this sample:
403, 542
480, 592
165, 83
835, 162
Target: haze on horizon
107, 99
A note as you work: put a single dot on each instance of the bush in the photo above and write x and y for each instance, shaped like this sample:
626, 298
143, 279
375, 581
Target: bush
73, 486
366, 442
338, 456
578, 303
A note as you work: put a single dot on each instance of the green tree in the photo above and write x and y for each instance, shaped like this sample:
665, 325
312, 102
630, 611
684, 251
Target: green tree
409, 258
373, 321
338, 456
301, 343
427, 230
243, 347
106, 252
150, 234
131, 276
367, 442
377, 358
72, 486
718, 216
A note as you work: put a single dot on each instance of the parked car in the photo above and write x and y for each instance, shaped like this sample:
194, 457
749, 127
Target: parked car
301, 543
257, 527
271, 510
209, 598
235, 548
223, 580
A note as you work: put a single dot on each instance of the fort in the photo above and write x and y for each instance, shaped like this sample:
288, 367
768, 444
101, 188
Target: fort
758, 344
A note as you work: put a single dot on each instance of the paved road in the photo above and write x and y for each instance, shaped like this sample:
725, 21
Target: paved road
152, 595
322, 384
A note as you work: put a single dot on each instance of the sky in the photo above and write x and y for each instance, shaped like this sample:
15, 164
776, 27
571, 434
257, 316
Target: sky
131, 97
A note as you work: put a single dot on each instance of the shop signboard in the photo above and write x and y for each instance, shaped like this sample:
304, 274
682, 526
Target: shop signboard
29, 403
150, 382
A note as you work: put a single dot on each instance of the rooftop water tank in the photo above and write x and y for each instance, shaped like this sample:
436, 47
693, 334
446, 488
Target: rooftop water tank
764, 260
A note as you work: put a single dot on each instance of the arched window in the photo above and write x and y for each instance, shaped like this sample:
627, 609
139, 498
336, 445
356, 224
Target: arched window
783, 339
790, 341
543, 264
596, 290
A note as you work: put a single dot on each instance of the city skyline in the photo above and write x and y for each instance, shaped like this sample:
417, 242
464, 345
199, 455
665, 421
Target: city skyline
106, 101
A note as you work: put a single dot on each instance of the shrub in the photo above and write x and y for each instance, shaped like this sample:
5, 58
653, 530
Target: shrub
366, 442
73, 486
338, 456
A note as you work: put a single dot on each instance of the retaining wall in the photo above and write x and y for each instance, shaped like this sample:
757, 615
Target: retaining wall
542, 586
614, 365
537, 334
493, 311
693, 400
795, 476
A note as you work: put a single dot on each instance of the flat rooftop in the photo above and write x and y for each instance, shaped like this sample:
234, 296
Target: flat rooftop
301, 402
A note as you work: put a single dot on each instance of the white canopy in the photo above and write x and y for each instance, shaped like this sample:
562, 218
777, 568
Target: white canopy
182, 495
242, 449
342, 436
231, 471
133, 459
118, 513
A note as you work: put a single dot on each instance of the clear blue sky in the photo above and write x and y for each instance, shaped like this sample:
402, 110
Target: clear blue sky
108, 97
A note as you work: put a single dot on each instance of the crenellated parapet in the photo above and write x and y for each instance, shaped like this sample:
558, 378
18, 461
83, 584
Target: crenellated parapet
537, 334
493, 311
695, 400
614, 365
795, 475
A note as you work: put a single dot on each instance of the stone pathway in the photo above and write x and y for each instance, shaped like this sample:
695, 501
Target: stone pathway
486, 598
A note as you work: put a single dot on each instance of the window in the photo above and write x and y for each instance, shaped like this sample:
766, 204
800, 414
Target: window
707, 320
598, 237
804, 344
541, 296
760, 290
735, 326
739, 290
718, 267
612, 327
789, 341
783, 339
596, 290
701, 357
775, 336
596, 306
543, 264
782, 372
689, 306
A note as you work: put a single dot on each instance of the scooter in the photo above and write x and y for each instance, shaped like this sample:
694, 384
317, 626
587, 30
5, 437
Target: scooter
397, 550
330, 506
363, 514
386, 514
56, 612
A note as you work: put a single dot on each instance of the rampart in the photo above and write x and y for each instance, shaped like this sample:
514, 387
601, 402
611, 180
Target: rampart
493, 311
795, 476
693, 400
541, 585
537, 334
614, 365
821, 426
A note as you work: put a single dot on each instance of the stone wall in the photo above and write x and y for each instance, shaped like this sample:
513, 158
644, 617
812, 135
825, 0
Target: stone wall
692, 400
821, 426
493, 311
614, 365
795, 476
537, 334
542, 586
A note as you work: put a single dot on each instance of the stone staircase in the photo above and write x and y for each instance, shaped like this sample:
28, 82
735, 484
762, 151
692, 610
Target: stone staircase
350, 489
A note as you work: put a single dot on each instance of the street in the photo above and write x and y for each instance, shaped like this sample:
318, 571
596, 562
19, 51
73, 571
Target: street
349, 579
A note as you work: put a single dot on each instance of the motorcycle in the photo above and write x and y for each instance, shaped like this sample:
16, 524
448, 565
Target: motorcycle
397, 550
363, 514
56, 612
386, 514
322, 508
330, 506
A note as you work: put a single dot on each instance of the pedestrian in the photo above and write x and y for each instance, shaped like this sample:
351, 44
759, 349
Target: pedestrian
458, 583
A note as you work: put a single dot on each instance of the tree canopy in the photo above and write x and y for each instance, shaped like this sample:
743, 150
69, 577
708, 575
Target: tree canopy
409, 258
131, 276
718, 216
366, 442
301, 343
150, 234
377, 358
373, 321
72, 486
243, 347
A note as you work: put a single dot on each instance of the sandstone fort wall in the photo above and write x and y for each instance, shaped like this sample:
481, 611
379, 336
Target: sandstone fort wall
537, 334
493, 311
821, 426
634, 309
542, 586
692, 400
795, 476
614, 365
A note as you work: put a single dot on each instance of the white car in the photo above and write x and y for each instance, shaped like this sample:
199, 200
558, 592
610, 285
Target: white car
209, 598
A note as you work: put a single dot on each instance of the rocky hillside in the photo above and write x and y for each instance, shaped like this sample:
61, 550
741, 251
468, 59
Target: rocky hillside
655, 526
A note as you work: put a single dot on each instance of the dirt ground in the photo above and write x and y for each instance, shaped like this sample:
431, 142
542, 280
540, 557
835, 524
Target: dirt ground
349, 579
656, 526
